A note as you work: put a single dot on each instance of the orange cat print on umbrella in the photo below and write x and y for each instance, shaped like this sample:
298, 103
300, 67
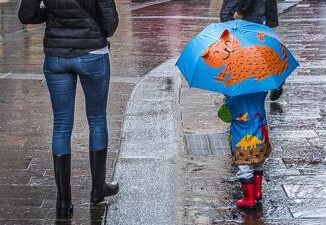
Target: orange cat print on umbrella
261, 60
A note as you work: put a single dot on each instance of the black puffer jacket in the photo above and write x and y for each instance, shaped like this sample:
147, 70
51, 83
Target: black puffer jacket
73, 27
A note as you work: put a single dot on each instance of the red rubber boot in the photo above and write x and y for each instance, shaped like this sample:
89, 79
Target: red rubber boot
248, 201
258, 179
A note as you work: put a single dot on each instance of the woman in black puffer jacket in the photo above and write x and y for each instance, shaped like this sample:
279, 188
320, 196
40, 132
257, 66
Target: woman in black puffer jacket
75, 44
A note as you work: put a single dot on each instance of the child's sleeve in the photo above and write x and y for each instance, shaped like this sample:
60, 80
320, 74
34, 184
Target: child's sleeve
224, 114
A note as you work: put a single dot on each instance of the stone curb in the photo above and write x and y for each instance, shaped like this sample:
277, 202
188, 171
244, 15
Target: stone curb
151, 141
285, 6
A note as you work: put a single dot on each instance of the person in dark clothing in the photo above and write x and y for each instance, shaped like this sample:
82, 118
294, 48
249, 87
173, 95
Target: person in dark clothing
276, 93
75, 44
250, 10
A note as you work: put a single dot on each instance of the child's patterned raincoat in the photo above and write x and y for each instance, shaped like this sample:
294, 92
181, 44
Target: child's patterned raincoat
248, 138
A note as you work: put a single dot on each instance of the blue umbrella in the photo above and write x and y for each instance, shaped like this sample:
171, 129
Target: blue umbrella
236, 58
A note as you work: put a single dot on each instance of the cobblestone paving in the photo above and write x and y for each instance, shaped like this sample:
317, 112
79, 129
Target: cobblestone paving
148, 34
27, 193
27, 189
295, 173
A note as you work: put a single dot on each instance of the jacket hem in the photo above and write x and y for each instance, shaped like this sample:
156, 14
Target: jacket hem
251, 156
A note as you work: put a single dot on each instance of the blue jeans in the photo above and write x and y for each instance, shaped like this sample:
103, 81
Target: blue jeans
61, 78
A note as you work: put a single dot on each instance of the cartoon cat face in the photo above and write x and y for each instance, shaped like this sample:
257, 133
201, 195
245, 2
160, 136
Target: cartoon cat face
219, 53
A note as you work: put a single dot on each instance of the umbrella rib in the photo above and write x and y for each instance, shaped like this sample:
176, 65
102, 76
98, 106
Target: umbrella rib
192, 78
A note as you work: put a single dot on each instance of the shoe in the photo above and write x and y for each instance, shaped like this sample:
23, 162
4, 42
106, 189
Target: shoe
276, 94
248, 189
62, 170
100, 189
258, 178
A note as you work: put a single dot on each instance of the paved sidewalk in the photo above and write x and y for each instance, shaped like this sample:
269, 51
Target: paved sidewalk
148, 162
27, 188
201, 176
295, 176
202, 187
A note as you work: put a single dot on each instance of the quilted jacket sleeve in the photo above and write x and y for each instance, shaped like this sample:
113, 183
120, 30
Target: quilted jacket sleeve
30, 12
228, 10
244, 5
108, 16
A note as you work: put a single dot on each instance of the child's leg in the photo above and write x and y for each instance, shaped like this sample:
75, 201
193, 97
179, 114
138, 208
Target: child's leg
258, 168
246, 172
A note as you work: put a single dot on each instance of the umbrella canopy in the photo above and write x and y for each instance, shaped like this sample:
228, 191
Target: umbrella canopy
236, 58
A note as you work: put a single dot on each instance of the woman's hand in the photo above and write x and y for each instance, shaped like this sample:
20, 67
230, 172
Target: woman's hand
237, 16
31, 12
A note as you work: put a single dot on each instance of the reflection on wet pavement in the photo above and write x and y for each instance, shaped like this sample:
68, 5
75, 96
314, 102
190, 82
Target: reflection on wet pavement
294, 181
97, 213
275, 108
148, 34
139, 44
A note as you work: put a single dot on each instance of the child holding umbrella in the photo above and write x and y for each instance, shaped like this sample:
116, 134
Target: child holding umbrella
249, 142
242, 60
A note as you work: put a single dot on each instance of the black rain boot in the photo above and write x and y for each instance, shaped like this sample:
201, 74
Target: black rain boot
62, 170
100, 188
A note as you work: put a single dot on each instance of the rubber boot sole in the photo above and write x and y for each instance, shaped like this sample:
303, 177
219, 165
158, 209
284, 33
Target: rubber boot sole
110, 192
62, 213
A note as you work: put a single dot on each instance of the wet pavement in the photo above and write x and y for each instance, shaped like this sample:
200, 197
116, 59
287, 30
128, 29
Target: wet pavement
27, 189
147, 164
150, 32
294, 181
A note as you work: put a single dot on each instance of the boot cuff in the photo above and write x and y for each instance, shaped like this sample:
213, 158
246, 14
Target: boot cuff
260, 173
247, 181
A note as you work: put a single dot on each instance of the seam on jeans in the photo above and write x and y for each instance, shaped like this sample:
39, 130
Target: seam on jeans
55, 67
107, 66
82, 66
103, 65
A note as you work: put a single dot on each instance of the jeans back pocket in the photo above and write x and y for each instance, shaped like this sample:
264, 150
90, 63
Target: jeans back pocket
93, 64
